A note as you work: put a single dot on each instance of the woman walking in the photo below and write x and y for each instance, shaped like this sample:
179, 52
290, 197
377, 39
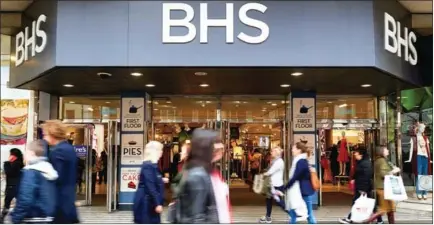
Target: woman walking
276, 176
382, 168
149, 197
12, 169
300, 186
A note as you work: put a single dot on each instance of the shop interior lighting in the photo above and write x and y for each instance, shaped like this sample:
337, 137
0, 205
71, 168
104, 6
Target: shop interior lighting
136, 74
104, 74
150, 85
204, 85
285, 85
107, 102
366, 85
296, 74
68, 85
201, 73
72, 102
343, 105
274, 104
90, 109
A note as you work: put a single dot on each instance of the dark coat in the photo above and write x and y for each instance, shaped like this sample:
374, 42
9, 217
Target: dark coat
13, 172
363, 175
64, 160
149, 195
302, 175
35, 202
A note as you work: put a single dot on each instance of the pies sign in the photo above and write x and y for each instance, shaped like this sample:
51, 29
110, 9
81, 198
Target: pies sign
129, 179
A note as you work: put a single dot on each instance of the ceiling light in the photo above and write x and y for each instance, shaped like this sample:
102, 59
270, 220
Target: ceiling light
366, 85
274, 104
155, 109
343, 105
168, 102
107, 102
136, 74
90, 109
104, 74
68, 85
285, 85
329, 102
204, 85
72, 102
156, 103
150, 85
296, 74
201, 73
264, 110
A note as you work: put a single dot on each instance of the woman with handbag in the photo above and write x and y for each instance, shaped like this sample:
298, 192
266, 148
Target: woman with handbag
383, 167
300, 187
275, 172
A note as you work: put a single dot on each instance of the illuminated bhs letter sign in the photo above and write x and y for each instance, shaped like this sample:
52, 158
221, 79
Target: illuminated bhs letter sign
27, 40
206, 23
393, 40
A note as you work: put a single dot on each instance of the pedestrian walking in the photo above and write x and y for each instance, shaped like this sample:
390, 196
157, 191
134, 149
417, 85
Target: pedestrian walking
12, 169
35, 201
149, 197
64, 160
275, 172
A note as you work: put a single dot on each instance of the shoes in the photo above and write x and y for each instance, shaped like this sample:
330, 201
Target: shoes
424, 197
265, 219
301, 218
419, 197
345, 221
380, 222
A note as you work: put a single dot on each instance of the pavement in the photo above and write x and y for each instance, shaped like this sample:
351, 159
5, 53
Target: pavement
251, 214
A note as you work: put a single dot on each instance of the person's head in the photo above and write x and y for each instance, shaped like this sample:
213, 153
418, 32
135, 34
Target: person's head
276, 152
185, 150
343, 134
420, 128
54, 131
360, 154
219, 149
300, 148
382, 151
153, 151
17, 153
35, 149
202, 149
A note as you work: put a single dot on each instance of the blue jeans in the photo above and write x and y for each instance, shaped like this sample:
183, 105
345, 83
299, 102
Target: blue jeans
311, 218
422, 169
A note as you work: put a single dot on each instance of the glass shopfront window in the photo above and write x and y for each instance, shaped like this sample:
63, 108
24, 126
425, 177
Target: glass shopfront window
82, 109
346, 108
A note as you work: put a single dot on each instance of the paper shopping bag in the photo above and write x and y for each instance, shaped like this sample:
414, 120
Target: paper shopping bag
362, 209
394, 188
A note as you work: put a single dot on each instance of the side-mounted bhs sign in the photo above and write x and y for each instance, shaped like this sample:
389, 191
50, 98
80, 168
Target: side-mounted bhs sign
33, 39
393, 40
207, 23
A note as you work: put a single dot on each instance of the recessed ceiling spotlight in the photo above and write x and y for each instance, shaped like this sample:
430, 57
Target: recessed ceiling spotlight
366, 85
274, 104
155, 109
296, 74
329, 102
68, 85
136, 74
168, 102
150, 85
285, 85
71, 102
107, 102
104, 74
201, 73
204, 85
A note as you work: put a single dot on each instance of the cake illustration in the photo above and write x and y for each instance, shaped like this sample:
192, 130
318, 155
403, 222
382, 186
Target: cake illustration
131, 185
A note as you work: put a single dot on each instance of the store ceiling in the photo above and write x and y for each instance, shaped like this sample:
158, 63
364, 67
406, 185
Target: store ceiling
11, 15
221, 81
421, 15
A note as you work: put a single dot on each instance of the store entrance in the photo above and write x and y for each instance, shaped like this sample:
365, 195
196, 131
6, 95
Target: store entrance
248, 147
97, 149
337, 143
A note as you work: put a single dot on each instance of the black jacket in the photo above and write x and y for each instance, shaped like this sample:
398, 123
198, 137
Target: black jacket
13, 172
363, 175
196, 198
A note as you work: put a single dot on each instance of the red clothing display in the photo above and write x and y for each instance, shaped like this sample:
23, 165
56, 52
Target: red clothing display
325, 164
343, 151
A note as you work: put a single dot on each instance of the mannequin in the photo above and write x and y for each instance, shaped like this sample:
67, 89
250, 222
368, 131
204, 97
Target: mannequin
238, 153
421, 163
343, 157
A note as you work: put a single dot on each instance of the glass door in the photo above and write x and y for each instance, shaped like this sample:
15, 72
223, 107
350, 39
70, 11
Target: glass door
112, 165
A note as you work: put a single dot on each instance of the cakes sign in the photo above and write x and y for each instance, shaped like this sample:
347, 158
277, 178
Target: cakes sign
129, 179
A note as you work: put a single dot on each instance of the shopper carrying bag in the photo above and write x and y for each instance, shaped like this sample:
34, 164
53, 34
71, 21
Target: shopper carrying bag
394, 189
362, 209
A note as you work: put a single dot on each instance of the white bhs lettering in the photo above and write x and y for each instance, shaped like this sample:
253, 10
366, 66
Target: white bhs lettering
205, 23
393, 40
26, 39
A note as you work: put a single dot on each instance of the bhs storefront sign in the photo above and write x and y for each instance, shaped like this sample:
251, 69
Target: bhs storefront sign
206, 23
33, 39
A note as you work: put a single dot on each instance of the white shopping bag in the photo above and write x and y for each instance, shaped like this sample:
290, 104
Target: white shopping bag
362, 209
394, 188
258, 183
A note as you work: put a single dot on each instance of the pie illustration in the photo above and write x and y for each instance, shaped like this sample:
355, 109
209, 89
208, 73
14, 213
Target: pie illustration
132, 143
131, 185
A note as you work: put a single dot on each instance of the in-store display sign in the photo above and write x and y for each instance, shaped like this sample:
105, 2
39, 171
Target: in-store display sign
207, 23
133, 114
129, 179
80, 150
132, 149
33, 39
303, 111
399, 42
